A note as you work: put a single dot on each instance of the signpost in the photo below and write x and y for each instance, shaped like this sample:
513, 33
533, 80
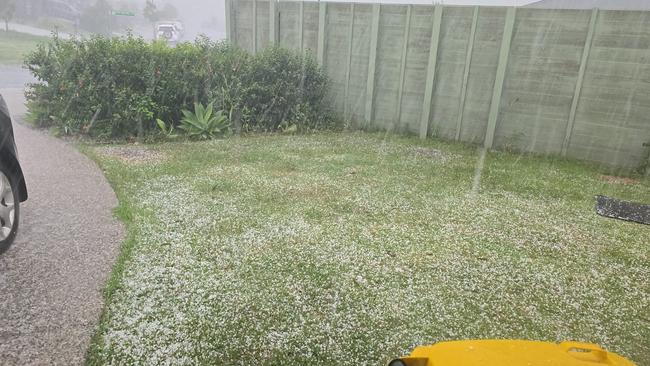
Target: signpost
120, 13
117, 13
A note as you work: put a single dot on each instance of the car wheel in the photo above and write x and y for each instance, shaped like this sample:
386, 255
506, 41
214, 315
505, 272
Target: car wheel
9, 209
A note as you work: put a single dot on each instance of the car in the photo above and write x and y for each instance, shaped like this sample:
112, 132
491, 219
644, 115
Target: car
169, 31
13, 189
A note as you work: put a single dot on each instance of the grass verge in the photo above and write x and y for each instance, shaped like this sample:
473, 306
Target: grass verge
14, 46
354, 248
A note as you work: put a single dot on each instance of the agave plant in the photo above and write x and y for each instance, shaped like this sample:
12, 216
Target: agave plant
203, 123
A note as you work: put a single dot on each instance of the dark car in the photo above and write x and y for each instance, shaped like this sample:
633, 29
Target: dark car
13, 190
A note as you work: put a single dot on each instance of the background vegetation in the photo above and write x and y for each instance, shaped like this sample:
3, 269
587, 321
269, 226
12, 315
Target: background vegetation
119, 87
7, 11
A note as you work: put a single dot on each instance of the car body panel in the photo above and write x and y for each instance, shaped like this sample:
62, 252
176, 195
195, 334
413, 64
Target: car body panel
9, 152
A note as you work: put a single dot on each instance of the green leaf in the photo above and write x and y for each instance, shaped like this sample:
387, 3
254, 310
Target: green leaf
162, 125
198, 110
187, 114
208, 112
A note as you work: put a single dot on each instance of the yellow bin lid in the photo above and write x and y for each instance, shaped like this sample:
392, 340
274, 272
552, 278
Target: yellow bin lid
511, 353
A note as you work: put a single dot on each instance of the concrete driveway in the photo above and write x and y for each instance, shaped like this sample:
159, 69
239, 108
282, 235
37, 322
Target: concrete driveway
51, 278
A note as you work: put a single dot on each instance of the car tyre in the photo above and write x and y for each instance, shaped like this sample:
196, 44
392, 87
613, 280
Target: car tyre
9, 208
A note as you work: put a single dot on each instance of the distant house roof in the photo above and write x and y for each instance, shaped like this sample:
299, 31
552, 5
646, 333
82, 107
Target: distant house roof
590, 4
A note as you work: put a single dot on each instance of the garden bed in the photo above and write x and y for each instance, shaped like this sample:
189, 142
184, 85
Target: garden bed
354, 248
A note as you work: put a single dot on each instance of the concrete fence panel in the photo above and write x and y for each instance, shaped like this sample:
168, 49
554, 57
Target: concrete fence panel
566, 82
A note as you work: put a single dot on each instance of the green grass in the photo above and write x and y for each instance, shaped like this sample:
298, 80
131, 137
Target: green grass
354, 248
60, 25
14, 46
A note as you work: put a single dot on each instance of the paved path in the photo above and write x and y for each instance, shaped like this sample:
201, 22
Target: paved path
13, 79
51, 278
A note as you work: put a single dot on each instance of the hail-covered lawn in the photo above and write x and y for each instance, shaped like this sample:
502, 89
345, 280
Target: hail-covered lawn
354, 248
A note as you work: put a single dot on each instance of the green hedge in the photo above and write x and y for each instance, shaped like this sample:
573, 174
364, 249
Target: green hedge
118, 87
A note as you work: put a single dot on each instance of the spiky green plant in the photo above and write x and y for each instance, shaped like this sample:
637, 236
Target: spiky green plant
204, 123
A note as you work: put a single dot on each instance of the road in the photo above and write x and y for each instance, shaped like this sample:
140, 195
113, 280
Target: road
51, 278
35, 31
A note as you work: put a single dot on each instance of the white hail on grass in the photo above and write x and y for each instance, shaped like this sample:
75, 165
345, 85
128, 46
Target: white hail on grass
249, 277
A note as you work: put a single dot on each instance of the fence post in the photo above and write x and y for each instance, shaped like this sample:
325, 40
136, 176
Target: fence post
581, 77
431, 72
349, 63
229, 22
506, 42
405, 46
468, 64
301, 24
322, 18
274, 26
372, 61
254, 26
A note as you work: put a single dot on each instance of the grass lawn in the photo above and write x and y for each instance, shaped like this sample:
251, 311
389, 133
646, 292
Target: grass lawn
354, 248
14, 46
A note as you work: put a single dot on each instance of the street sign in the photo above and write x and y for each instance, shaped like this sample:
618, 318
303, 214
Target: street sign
118, 13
